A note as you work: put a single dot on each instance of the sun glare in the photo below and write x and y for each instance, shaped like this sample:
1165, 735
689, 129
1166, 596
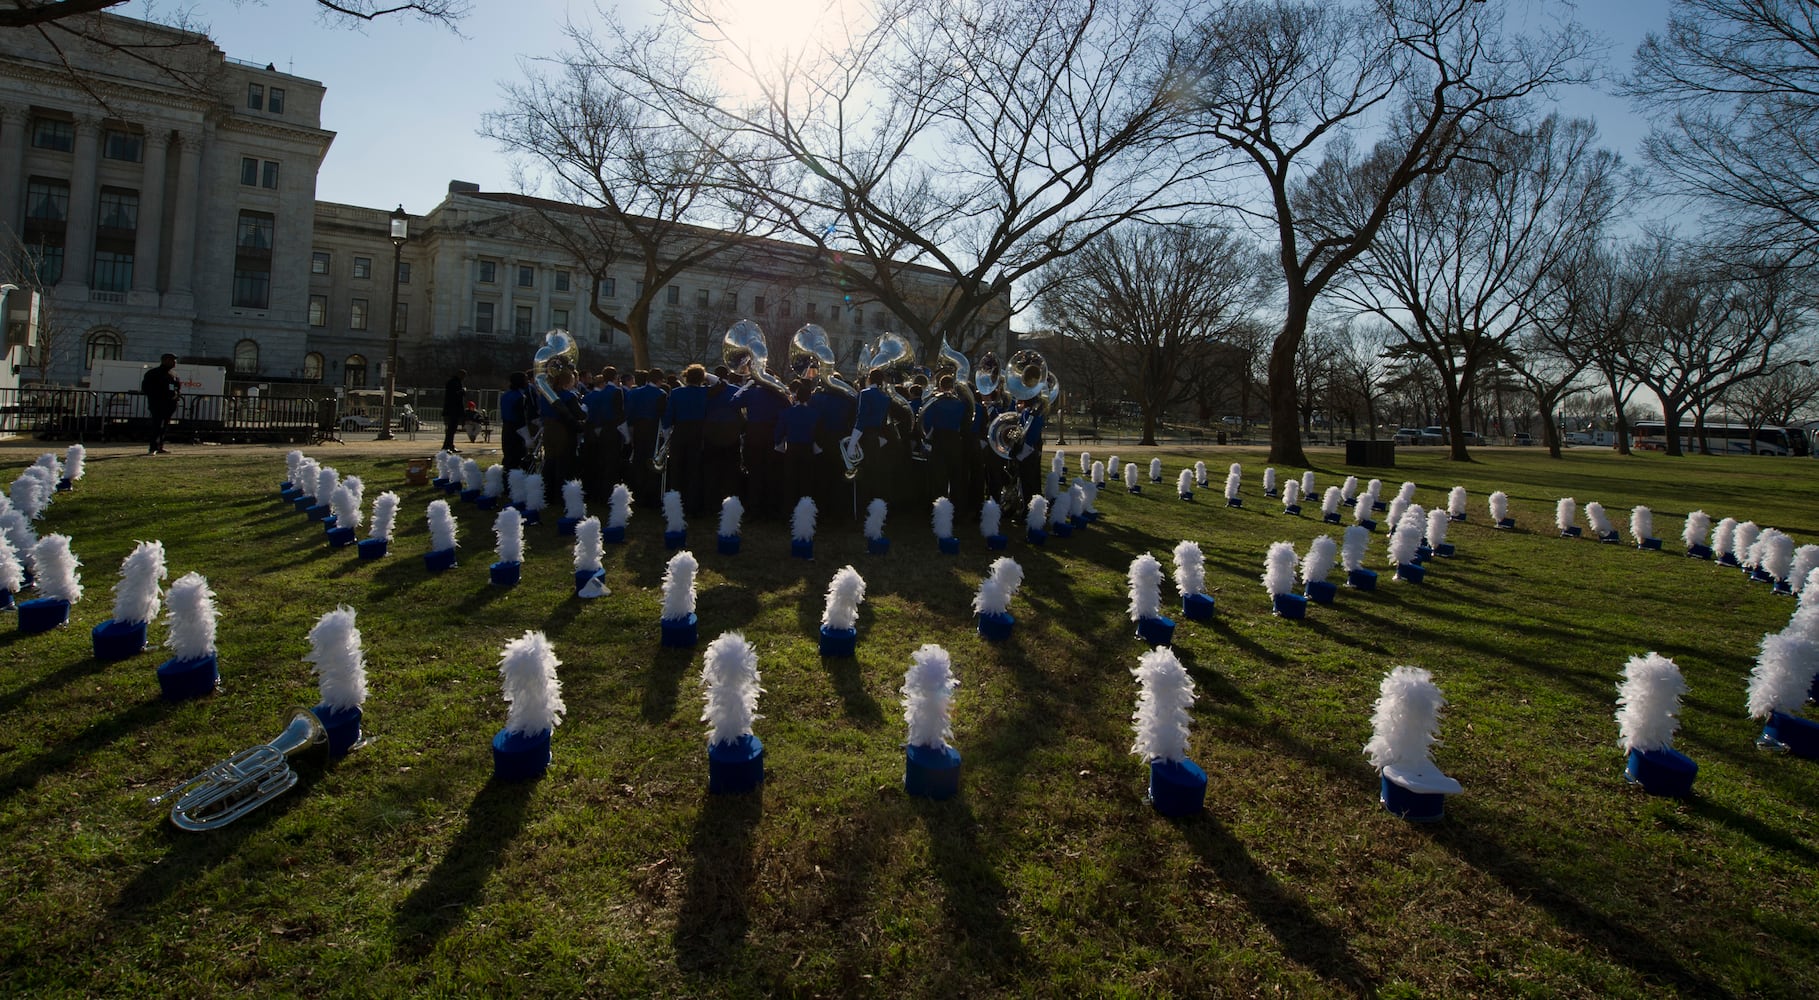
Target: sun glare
771, 32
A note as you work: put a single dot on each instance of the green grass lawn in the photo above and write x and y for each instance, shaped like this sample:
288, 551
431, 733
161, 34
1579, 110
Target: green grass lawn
403, 869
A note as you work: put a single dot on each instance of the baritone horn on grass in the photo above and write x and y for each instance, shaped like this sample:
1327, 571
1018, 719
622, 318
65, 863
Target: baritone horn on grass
245, 781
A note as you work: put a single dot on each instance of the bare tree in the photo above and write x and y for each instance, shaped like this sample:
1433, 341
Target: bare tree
1285, 83
1144, 300
1733, 87
631, 188
46, 13
981, 139
1776, 398
1360, 366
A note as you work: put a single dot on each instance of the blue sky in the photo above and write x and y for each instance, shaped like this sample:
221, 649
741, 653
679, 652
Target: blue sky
405, 98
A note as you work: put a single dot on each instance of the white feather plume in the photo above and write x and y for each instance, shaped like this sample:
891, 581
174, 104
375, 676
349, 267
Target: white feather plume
574, 500
494, 484
27, 496
508, 528
1199, 473
1060, 508
1097, 473
1648, 703
1698, 528
1406, 493
1145, 576
1165, 695
534, 495
1455, 501
928, 697
190, 610
672, 512
802, 520
292, 459
1806, 558
334, 647
1329, 503
56, 569
1057, 463
1234, 482
1406, 720
729, 683
1190, 568
587, 545
18, 530
12, 571
1269, 480
73, 459
1397, 507
326, 481
1598, 519
49, 462
1086, 462
1809, 592
1642, 524
1777, 553
1375, 489
1722, 535
1113, 467
1405, 541
514, 485
1751, 554
1184, 483
1321, 553
1038, 512
874, 518
533, 694
1351, 553
1361, 508
306, 476
732, 511
990, 598
1307, 484
1051, 486
385, 515
942, 518
679, 586
346, 507
1131, 475
844, 594
136, 597
1566, 511
1155, 469
1279, 569
1008, 574
619, 507
1743, 536
1783, 675
1291, 493
472, 478
1500, 506
441, 526
991, 517
1437, 522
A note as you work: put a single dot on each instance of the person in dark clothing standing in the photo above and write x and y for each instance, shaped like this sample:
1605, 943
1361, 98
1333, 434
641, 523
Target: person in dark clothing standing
454, 409
603, 449
763, 405
943, 417
514, 419
161, 388
644, 406
798, 427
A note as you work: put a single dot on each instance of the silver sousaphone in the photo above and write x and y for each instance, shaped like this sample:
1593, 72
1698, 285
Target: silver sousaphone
810, 348
245, 781
1005, 433
745, 353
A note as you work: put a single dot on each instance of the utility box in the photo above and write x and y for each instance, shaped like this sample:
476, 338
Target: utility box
1372, 454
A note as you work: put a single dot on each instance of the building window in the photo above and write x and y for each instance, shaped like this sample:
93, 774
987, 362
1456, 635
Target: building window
608, 287
269, 178
483, 317
246, 357
701, 297
255, 232
249, 171
255, 97
312, 366
319, 262
521, 322
363, 267
758, 304
356, 315
318, 310
51, 133
488, 272
47, 200
809, 310
119, 209
561, 281
404, 273
783, 308
353, 371
858, 318
701, 335
672, 295
253, 261
672, 333
252, 288
113, 271
276, 102
527, 276
637, 289
730, 301
400, 313
558, 318
104, 345
118, 145
46, 262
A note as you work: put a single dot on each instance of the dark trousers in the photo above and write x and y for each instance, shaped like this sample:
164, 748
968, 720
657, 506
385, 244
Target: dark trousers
763, 489
161, 420
686, 451
450, 423
643, 479
602, 462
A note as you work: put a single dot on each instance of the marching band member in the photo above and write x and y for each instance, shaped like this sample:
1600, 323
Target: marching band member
685, 418
797, 434
720, 476
603, 449
942, 418
763, 405
877, 437
1029, 454
644, 405
514, 417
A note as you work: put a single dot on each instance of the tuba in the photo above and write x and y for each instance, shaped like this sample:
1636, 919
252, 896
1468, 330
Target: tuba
555, 368
1005, 433
245, 781
810, 348
744, 353
892, 354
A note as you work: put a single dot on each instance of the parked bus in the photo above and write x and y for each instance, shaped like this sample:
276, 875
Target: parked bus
1723, 439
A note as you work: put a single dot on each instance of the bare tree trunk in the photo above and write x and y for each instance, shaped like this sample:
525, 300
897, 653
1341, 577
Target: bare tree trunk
1455, 415
1285, 425
1149, 427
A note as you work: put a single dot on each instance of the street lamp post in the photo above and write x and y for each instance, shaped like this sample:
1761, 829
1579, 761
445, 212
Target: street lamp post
401, 226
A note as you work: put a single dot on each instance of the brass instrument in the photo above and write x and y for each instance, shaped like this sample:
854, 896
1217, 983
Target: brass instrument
556, 366
810, 348
744, 353
1005, 433
660, 454
245, 781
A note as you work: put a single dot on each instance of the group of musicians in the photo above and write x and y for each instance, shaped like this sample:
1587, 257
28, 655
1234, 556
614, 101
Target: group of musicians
713, 434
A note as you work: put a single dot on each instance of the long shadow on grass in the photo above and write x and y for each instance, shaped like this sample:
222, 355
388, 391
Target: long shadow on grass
661, 680
1305, 938
56, 679
974, 899
1470, 834
712, 923
1753, 828
442, 901
97, 735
